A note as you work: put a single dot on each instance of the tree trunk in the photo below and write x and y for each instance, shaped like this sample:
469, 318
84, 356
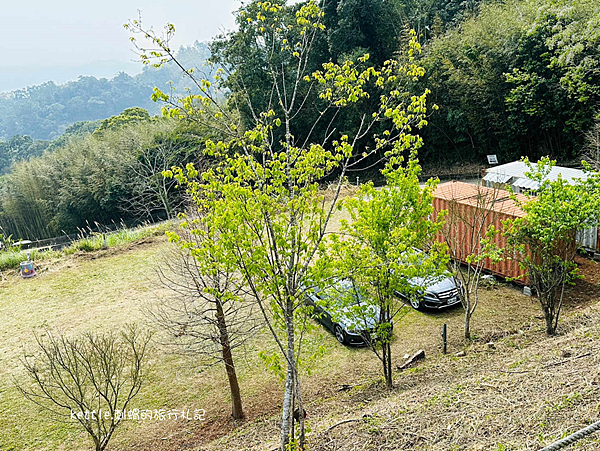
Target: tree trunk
467, 325
289, 384
384, 363
387, 364
550, 322
236, 399
468, 312
301, 411
164, 198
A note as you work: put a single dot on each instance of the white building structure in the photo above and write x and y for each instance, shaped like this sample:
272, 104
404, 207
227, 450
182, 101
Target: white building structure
513, 174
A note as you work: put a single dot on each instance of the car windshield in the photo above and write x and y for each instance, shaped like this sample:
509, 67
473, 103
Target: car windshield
343, 293
420, 258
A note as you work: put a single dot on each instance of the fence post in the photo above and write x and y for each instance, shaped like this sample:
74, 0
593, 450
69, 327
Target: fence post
444, 338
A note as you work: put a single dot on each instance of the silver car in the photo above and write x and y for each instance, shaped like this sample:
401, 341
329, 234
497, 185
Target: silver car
334, 307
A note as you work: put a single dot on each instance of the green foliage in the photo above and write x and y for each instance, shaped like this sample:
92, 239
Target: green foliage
545, 236
46, 111
352, 30
7, 243
520, 78
92, 179
556, 210
12, 258
362, 26
128, 116
262, 196
512, 78
272, 361
380, 248
19, 148
576, 45
591, 153
121, 237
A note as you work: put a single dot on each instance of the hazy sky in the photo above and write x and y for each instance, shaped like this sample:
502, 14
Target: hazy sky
36, 33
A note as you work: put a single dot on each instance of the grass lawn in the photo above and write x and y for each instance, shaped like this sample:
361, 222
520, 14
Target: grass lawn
105, 290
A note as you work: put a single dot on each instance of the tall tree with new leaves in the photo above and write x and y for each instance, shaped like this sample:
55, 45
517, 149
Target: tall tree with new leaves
263, 193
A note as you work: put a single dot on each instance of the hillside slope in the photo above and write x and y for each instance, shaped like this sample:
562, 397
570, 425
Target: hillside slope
525, 392
45, 111
521, 393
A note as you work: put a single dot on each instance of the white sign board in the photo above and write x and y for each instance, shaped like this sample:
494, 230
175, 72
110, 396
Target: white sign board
492, 159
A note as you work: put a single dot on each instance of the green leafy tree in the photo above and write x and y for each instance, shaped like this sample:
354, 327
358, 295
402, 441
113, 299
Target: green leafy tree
19, 148
362, 26
263, 194
96, 179
380, 248
537, 100
576, 45
431, 17
128, 116
545, 236
518, 78
465, 72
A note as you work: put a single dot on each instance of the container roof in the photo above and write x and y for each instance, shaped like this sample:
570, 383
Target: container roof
498, 200
518, 169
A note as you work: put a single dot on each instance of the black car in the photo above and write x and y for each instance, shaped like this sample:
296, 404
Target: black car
336, 307
433, 293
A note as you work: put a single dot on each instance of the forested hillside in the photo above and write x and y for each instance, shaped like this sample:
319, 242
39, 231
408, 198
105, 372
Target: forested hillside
513, 78
112, 174
46, 111
520, 78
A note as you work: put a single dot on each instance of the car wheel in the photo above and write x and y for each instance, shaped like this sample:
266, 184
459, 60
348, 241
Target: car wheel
415, 303
340, 335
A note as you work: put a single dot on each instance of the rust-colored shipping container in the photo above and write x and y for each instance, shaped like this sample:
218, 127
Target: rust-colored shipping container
473, 207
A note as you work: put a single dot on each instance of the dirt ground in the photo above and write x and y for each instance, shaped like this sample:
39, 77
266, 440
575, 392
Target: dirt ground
587, 289
522, 392
500, 398
515, 388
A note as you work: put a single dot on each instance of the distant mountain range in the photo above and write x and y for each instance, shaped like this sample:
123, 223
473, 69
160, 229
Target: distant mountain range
45, 109
20, 77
